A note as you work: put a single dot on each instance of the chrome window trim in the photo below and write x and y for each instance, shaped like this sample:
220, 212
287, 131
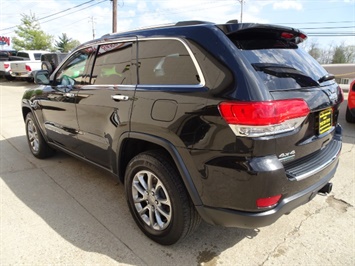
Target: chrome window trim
111, 86
137, 40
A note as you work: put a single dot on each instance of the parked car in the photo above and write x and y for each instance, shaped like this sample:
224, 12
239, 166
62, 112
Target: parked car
28, 61
350, 109
5, 57
51, 60
5, 54
232, 123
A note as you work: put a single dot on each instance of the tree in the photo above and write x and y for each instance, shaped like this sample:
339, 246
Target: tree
339, 56
65, 44
333, 54
30, 36
315, 51
350, 53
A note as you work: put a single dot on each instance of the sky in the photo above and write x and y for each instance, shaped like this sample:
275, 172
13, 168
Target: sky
327, 22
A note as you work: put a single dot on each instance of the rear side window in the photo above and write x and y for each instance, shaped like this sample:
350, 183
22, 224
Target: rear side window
24, 55
165, 62
113, 64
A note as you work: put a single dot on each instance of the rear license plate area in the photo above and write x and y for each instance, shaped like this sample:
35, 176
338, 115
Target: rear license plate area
325, 120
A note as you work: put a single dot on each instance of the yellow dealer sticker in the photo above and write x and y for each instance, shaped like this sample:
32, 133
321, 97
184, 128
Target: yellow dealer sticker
325, 120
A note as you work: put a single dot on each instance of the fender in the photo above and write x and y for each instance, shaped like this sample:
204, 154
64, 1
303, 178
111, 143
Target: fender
31, 107
179, 162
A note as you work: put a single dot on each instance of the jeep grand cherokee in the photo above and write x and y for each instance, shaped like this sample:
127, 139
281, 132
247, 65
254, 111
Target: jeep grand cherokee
231, 123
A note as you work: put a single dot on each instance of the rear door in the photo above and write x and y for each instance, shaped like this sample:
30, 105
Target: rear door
104, 105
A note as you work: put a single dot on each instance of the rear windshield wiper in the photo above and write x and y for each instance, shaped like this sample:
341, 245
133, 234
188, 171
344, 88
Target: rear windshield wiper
326, 78
285, 71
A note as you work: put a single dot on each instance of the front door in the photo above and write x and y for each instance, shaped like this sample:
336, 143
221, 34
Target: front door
59, 101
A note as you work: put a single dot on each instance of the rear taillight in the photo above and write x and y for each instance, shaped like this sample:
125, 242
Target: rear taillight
6, 65
268, 202
298, 38
28, 68
256, 119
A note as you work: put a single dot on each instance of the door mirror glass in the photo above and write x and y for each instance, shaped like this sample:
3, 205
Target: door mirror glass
41, 77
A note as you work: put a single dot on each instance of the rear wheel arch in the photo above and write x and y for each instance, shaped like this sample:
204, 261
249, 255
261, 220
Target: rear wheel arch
138, 143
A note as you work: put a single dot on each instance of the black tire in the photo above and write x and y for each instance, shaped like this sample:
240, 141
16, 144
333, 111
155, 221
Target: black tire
348, 116
9, 77
36, 142
166, 211
30, 80
47, 66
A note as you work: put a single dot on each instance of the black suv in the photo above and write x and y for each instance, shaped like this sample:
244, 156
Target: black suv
231, 123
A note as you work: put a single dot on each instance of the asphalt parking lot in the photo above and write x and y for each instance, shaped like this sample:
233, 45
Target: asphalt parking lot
64, 211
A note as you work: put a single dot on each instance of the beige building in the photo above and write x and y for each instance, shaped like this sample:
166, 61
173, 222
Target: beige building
344, 73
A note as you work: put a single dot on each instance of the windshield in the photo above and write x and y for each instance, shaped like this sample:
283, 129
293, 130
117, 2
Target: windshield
305, 69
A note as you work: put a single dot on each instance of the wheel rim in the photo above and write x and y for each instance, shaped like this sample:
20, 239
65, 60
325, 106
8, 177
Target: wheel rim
151, 200
33, 136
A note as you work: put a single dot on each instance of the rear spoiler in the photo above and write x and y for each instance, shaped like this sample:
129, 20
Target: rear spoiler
252, 30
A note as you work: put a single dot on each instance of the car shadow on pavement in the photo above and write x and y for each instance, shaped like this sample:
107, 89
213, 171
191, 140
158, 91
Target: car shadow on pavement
86, 207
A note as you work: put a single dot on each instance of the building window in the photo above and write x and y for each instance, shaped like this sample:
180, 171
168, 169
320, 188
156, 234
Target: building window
344, 81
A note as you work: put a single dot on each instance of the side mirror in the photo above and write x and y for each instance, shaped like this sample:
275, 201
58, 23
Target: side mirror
41, 77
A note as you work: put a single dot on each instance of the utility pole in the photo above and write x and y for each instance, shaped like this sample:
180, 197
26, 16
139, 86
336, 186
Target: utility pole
114, 16
241, 10
92, 20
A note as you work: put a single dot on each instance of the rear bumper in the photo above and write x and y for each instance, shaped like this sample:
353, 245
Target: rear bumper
232, 218
21, 74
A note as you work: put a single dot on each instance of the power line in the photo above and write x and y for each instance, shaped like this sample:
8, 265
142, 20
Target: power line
75, 11
317, 22
62, 12
328, 28
65, 10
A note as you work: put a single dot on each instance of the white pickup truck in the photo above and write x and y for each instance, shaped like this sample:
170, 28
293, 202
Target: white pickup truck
31, 62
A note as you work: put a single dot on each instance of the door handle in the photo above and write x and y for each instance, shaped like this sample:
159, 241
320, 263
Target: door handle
118, 97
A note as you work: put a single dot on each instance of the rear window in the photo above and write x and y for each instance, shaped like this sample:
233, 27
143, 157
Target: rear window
24, 55
37, 56
281, 64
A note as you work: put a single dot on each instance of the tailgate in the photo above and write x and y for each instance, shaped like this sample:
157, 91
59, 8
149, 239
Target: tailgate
319, 128
287, 73
18, 67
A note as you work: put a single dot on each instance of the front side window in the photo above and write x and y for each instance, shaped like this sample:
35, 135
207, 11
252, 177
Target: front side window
165, 62
72, 72
113, 64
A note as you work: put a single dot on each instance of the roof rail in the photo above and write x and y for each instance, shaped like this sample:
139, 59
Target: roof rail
137, 29
192, 22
